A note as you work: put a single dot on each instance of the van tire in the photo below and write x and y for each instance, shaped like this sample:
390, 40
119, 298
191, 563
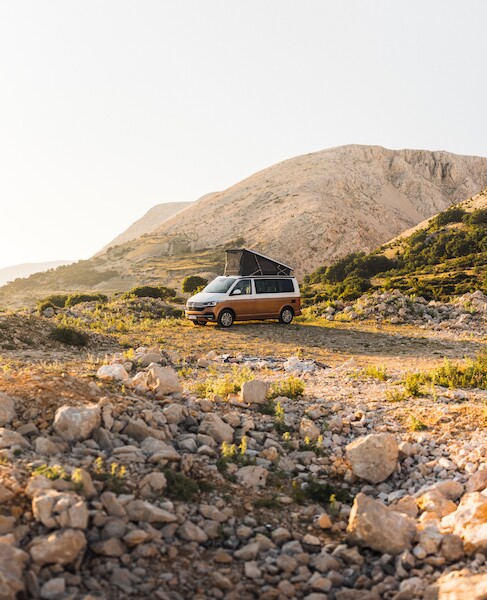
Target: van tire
226, 318
286, 315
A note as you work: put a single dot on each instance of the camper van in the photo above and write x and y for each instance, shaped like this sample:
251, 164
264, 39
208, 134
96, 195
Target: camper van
253, 287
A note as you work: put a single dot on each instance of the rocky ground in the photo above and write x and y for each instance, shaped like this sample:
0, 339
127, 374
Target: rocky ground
143, 472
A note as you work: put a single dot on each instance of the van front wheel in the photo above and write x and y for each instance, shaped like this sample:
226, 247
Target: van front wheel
226, 318
286, 315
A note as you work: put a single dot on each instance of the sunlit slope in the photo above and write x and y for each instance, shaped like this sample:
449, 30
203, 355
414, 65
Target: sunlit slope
307, 211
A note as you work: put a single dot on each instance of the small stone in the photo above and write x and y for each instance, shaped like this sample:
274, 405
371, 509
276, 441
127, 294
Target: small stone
452, 548
53, 589
252, 476
112, 547
192, 533
7, 409
324, 521
12, 564
216, 428
44, 447
251, 570
307, 429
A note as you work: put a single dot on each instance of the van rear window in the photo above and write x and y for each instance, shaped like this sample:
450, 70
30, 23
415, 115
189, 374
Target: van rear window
273, 286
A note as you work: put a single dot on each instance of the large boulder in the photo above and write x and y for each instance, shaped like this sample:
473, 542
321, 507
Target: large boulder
373, 457
254, 392
61, 547
375, 526
216, 428
12, 563
163, 380
469, 522
7, 409
77, 423
453, 587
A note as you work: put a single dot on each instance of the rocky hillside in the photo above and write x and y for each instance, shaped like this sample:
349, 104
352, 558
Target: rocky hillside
310, 210
441, 257
151, 221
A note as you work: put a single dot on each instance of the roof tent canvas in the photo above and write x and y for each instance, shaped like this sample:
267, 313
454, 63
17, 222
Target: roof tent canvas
245, 262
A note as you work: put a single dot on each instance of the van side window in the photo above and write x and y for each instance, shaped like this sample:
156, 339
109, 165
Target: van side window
286, 285
273, 286
245, 287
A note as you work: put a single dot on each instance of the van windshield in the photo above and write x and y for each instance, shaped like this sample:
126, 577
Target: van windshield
220, 285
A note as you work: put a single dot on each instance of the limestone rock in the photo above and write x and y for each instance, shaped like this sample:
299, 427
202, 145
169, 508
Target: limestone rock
12, 563
374, 457
307, 429
251, 476
163, 380
152, 485
254, 392
478, 481
449, 587
371, 523
192, 533
10, 438
60, 509
216, 428
61, 547
75, 423
7, 409
140, 510
115, 372
469, 522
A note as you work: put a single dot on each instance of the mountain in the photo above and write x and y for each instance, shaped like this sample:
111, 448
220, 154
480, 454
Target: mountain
315, 208
306, 211
24, 270
152, 219
441, 257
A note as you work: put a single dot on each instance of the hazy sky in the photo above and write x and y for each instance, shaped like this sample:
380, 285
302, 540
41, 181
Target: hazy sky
110, 107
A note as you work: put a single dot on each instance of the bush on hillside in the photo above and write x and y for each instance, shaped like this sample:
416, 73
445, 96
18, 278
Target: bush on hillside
69, 336
74, 299
149, 291
451, 215
476, 217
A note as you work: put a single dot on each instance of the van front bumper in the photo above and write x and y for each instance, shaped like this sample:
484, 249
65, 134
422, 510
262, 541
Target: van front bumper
194, 315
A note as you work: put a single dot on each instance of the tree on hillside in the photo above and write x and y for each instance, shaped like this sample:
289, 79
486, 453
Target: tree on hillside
192, 282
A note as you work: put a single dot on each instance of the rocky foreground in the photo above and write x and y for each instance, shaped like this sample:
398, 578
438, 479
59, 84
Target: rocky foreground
122, 481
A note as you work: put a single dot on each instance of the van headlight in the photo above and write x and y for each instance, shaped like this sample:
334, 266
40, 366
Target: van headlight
211, 303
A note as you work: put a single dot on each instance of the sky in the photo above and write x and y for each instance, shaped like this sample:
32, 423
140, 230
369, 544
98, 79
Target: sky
108, 107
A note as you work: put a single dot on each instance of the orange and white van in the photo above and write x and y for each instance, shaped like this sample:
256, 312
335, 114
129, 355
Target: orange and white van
242, 298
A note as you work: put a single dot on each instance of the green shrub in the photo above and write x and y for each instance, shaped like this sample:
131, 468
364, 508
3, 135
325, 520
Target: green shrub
473, 374
192, 282
379, 373
149, 291
453, 215
57, 300
74, 299
69, 336
292, 387
476, 217
230, 383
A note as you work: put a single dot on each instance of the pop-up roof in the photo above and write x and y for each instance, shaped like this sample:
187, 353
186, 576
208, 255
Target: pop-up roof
247, 262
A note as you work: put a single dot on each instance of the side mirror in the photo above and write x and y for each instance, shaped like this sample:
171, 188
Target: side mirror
236, 292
